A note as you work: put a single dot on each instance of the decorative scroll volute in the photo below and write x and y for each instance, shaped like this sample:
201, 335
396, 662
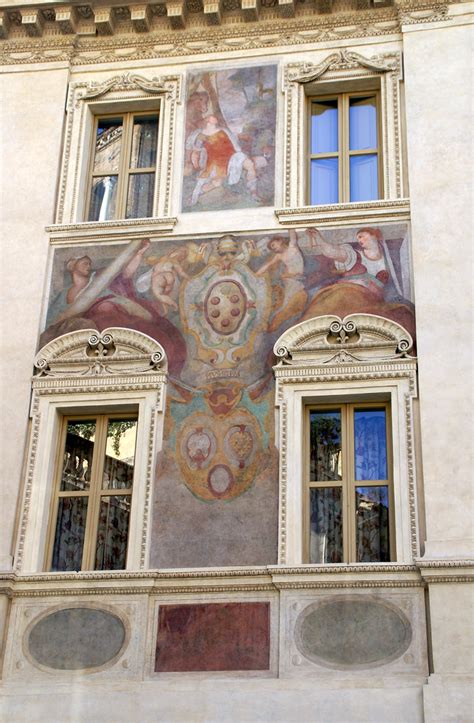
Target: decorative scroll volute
331, 340
87, 352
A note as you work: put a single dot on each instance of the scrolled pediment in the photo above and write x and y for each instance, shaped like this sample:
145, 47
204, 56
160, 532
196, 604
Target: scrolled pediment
332, 340
87, 352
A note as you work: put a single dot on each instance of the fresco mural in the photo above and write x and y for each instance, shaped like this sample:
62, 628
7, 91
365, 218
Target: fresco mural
217, 306
230, 139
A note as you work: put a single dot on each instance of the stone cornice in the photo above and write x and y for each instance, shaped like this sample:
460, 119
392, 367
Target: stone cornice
446, 571
90, 34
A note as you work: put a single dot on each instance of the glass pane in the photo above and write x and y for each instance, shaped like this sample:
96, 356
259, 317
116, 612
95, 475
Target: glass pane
362, 124
370, 444
324, 181
325, 445
325, 542
78, 451
324, 127
108, 145
145, 131
103, 198
372, 534
112, 534
120, 454
364, 178
140, 195
69, 538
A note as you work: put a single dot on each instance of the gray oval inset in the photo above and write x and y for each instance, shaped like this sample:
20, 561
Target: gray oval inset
352, 632
76, 638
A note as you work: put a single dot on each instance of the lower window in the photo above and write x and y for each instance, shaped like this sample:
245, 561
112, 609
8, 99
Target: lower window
91, 508
348, 489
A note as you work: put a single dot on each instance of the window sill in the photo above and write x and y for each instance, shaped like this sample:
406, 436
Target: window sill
346, 214
111, 230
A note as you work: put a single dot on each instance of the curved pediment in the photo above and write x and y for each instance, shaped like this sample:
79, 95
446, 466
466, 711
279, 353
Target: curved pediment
88, 352
357, 337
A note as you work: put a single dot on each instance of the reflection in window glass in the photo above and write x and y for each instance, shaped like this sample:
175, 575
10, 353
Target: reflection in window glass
364, 178
325, 543
112, 534
370, 444
325, 445
145, 131
140, 195
372, 524
103, 198
362, 124
324, 127
108, 146
78, 453
69, 535
324, 181
120, 454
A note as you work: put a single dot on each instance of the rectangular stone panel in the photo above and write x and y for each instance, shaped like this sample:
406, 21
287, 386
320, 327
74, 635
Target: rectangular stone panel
213, 637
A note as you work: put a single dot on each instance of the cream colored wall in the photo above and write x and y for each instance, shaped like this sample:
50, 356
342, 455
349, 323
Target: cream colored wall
439, 128
32, 113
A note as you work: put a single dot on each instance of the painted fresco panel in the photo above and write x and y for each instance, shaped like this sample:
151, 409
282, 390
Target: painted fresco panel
213, 637
217, 306
230, 138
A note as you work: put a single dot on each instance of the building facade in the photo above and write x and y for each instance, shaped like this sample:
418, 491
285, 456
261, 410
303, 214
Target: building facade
235, 265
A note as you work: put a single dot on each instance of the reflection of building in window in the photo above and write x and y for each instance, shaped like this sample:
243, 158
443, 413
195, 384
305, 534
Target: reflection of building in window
123, 168
91, 529
348, 485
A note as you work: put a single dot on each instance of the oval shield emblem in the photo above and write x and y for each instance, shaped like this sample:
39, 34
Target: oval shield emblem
225, 306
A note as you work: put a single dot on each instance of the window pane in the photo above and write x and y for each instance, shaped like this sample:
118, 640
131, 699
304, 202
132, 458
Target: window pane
364, 178
78, 453
108, 145
140, 195
362, 124
324, 181
324, 127
120, 454
112, 534
325, 542
103, 198
144, 142
370, 444
325, 446
372, 534
69, 538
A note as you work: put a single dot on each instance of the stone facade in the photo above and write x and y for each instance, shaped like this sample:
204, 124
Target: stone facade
217, 317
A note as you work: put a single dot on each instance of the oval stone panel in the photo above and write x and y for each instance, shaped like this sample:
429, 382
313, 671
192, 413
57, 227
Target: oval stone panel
352, 632
76, 638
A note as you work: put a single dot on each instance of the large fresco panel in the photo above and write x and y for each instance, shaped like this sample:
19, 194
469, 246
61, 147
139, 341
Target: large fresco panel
230, 138
217, 307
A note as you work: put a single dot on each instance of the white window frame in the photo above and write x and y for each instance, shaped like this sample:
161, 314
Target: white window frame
117, 94
70, 380
362, 358
342, 71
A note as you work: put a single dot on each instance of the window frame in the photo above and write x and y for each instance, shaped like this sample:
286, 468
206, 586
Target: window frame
344, 154
95, 492
124, 171
348, 483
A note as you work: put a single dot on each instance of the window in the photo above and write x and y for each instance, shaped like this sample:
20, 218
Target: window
123, 167
348, 493
345, 160
92, 502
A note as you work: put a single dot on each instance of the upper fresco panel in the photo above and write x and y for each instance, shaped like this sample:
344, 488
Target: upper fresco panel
230, 139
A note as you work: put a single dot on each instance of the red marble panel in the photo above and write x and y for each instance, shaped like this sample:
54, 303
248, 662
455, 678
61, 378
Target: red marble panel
213, 636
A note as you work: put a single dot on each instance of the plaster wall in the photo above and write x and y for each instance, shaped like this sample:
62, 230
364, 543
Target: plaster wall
32, 109
438, 106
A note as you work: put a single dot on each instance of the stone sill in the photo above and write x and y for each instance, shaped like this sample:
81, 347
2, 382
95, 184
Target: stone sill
110, 230
346, 214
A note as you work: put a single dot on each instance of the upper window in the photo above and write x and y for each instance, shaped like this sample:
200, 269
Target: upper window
91, 506
345, 160
348, 489
123, 167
